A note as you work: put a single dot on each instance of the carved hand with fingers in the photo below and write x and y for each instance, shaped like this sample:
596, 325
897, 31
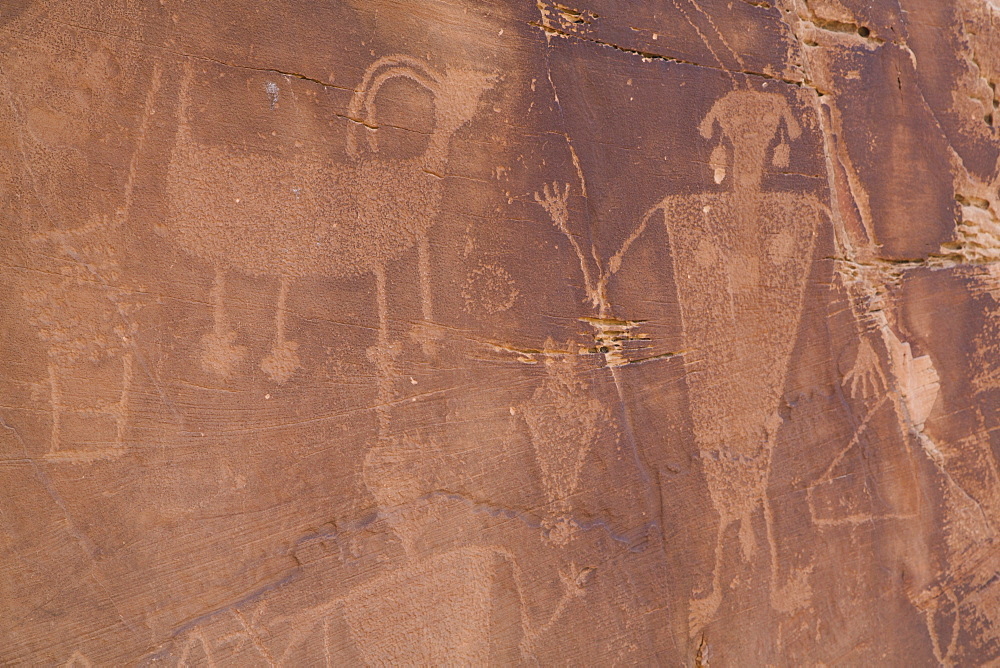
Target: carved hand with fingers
574, 580
865, 376
553, 199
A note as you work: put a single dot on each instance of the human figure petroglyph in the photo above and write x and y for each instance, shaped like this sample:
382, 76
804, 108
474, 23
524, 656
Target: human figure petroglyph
444, 599
85, 316
564, 426
297, 218
553, 415
434, 608
741, 260
80, 304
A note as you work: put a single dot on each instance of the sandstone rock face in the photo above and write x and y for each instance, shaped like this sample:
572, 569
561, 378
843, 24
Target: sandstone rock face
432, 333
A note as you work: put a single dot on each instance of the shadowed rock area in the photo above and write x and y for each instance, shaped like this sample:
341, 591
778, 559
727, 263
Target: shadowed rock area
508, 332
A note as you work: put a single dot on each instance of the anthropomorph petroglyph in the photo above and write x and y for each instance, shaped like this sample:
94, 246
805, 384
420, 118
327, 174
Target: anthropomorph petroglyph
296, 218
432, 610
437, 606
741, 260
79, 301
85, 316
564, 426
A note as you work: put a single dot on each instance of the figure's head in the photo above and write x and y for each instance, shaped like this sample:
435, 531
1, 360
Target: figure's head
456, 94
749, 120
395, 473
457, 97
402, 475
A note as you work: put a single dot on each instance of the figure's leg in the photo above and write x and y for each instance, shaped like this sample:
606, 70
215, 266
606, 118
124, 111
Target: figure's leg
778, 591
795, 592
428, 334
281, 364
748, 541
219, 354
382, 354
121, 411
424, 268
55, 398
703, 609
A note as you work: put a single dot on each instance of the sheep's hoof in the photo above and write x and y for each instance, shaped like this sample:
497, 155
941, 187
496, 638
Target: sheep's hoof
281, 364
219, 354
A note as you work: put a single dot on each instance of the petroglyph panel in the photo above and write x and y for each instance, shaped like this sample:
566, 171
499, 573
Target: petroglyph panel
433, 333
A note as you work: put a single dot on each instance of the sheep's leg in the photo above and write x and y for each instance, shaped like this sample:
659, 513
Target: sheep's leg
55, 396
428, 338
219, 353
703, 609
383, 354
281, 364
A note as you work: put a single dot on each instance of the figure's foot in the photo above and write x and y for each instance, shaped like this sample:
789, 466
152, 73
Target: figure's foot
281, 364
702, 611
219, 354
429, 336
795, 594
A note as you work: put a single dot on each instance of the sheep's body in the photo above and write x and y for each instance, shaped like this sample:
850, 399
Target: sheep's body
296, 218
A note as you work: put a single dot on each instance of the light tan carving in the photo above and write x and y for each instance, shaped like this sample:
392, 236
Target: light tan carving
489, 289
610, 333
85, 316
433, 609
81, 306
78, 660
565, 423
293, 218
741, 260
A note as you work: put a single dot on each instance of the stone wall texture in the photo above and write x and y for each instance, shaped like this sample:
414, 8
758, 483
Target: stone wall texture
468, 332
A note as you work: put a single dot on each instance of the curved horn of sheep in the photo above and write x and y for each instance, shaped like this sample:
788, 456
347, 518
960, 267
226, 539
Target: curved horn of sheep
362, 107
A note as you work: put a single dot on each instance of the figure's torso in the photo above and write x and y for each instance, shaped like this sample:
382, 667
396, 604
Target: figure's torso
741, 268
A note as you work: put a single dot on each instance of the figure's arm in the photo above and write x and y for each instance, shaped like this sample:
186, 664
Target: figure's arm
865, 378
554, 200
616, 260
573, 581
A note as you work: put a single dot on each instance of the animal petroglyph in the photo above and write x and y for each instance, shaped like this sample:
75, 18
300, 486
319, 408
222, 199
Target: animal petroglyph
741, 260
564, 425
294, 218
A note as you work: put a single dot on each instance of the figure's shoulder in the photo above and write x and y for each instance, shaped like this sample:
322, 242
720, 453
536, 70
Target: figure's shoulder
801, 204
694, 202
690, 212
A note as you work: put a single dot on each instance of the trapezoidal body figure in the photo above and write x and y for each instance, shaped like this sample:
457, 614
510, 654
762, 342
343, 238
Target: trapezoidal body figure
741, 260
296, 218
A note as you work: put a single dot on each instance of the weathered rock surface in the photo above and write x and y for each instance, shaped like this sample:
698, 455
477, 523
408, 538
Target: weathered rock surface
462, 333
